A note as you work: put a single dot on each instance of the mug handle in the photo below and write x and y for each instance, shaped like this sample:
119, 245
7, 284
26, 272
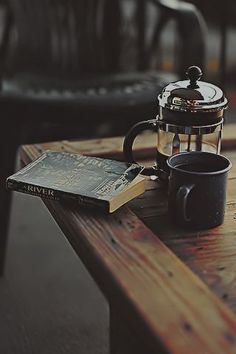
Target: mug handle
129, 140
181, 199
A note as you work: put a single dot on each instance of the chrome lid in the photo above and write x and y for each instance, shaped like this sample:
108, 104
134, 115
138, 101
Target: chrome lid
192, 95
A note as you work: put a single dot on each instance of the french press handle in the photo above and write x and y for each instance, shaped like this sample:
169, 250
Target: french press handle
129, 140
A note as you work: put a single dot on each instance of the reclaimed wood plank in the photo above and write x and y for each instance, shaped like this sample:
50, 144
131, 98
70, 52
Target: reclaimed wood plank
171, 307
209, 253
151, 207
229, 137
154, 289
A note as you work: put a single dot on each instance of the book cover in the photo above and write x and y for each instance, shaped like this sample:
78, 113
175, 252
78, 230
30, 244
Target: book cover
88, 180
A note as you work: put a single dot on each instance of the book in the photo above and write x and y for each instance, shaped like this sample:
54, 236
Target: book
89, 181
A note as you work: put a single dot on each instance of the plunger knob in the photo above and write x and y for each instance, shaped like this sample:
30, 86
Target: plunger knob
194, 73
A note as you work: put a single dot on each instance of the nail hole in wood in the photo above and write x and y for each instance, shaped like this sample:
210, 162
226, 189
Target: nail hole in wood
113, 241
229, 337
220, 268
188, 327
170, 273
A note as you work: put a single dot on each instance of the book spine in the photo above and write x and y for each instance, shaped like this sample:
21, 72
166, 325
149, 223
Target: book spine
53, 194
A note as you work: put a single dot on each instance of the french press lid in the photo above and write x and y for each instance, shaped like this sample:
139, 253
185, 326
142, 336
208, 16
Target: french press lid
192, 102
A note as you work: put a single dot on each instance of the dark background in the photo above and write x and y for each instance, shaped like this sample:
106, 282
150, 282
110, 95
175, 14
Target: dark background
49, 303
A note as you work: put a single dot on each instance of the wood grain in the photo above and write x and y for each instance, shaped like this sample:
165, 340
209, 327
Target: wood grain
137, 267
152, 286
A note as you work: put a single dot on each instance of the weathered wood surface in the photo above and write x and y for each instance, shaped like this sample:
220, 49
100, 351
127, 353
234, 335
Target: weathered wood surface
134, 265
150, 285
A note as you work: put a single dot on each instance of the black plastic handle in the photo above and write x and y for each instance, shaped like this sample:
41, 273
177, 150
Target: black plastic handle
129, 140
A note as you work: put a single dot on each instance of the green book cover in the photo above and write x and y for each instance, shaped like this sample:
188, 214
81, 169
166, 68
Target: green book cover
61, 175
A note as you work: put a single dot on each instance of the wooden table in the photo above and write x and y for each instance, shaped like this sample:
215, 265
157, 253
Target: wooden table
169, 291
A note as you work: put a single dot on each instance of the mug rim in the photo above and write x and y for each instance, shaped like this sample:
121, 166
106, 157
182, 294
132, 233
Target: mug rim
199, 173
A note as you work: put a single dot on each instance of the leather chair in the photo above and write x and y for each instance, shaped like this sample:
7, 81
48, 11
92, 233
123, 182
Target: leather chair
83, 68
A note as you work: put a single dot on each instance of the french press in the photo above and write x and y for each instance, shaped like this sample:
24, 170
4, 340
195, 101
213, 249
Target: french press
190, 119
